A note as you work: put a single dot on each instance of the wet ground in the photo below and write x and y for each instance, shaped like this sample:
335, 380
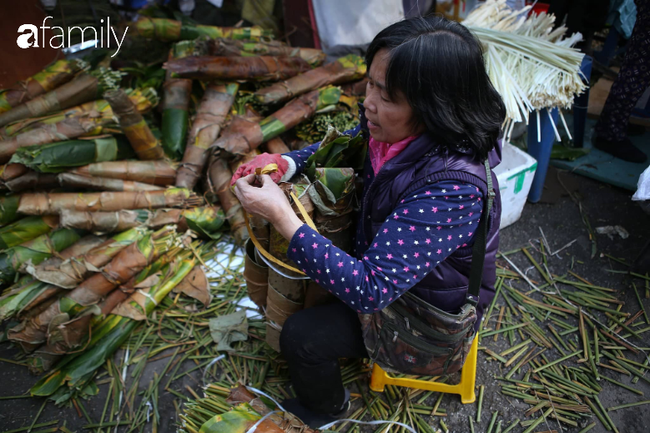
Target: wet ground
561, 222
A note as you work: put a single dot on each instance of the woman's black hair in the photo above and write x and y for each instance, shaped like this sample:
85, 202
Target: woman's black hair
438, 65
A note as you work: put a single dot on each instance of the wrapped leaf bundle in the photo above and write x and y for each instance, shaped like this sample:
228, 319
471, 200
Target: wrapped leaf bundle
245, 139
333, 185
338, 150
52, 204
68, 273
57, 157
54, 75
205, 221
344, 69
262, 68
248, 412
40, 181
26, 229
32, 180
170, 30
36, 251
153, 172
11, 171
333, 194
144, 143
29, 292
238, 48
72, 180
75, 370
277, 145
210, 116
127, 263
143, 99
176, 101
85, 87
219, 175
72, 334
85, 123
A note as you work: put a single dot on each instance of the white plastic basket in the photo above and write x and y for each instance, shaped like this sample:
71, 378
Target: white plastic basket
515, 175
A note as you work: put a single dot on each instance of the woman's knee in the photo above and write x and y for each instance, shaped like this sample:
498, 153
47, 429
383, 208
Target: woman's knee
295, 333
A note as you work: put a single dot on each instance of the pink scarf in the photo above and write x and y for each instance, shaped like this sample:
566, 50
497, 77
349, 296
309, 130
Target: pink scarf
380, 152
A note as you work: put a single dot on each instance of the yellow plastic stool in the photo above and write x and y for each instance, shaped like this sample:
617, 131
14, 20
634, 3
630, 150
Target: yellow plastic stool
465, 388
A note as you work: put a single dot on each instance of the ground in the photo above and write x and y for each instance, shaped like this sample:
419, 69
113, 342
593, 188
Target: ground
561, 223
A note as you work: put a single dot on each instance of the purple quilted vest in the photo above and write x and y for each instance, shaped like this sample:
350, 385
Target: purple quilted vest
423, 162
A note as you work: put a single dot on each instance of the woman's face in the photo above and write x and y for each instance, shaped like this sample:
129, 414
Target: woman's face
389, 120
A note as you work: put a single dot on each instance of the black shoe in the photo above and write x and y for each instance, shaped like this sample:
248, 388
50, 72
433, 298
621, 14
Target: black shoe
313, 419
624, 150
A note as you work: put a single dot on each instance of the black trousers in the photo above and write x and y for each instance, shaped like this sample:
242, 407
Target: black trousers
312, 341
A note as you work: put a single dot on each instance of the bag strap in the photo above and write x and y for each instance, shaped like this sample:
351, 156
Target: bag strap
480, 243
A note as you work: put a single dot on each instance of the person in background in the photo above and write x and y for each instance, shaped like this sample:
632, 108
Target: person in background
611, 131
432, 118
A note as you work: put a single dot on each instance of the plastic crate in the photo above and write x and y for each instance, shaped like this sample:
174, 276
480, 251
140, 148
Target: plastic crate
515, 175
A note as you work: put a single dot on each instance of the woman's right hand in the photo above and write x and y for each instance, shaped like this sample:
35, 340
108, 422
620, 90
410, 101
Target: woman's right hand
261, 161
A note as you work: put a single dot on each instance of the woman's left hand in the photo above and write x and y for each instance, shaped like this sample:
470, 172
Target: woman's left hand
268, 202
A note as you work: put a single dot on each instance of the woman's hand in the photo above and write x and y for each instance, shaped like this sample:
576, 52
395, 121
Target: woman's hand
268, 202
261, 161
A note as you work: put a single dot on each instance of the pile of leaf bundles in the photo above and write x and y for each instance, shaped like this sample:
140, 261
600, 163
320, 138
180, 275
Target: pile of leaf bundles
237, 48
68, 273
87, 119
87, 86
261, 68
51, 77
342, 70
12, 206
75, 371
126, 264
144, 98
210, 117
27, 293
71, 334
244, 141
171, 30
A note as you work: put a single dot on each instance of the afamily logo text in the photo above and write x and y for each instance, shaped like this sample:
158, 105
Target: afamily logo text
30, 37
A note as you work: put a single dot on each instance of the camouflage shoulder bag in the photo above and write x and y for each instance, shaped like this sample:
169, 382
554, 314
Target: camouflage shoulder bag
410, 336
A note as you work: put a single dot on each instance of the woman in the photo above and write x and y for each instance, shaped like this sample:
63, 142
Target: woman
433, 118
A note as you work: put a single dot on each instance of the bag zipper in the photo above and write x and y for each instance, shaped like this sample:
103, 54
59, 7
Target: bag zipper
394, 333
